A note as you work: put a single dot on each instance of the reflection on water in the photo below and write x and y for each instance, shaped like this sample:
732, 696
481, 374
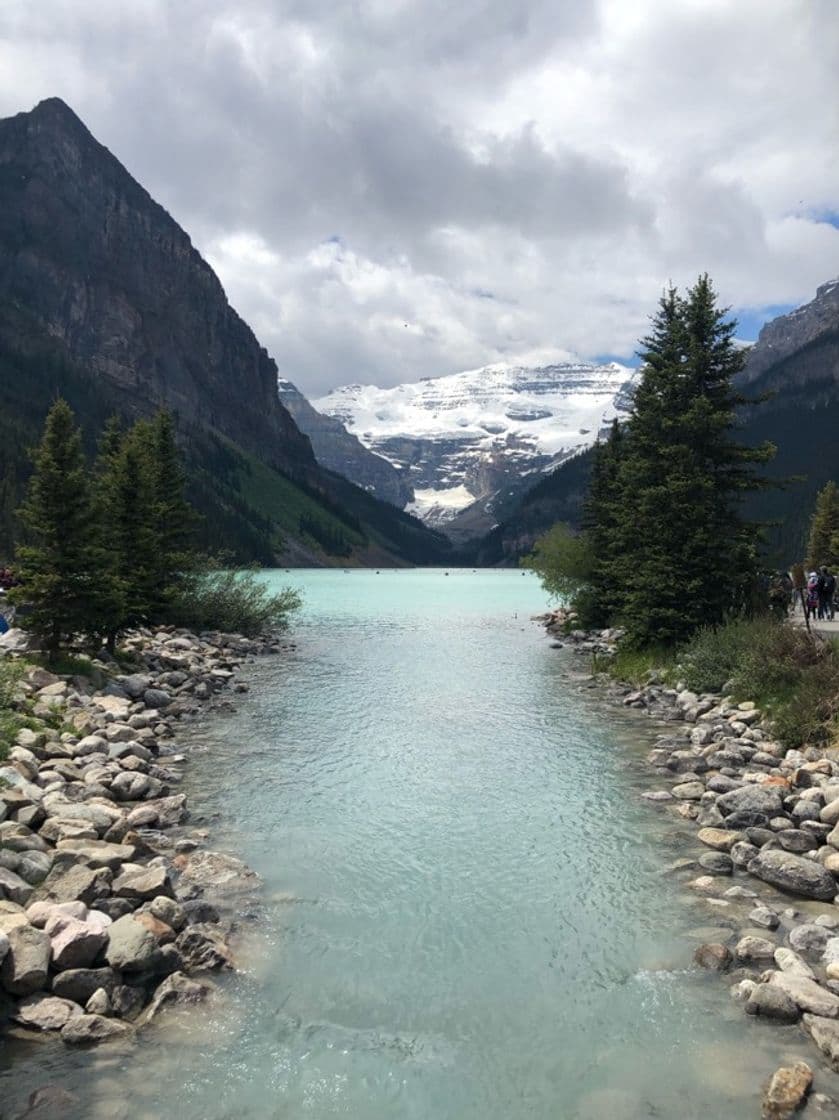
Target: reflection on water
465, 913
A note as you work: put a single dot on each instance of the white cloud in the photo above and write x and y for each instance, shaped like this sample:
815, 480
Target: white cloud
392, 189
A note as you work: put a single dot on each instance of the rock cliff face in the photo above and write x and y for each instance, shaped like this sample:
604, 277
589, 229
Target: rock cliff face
800, 346
337, 450
106, 271
104, 300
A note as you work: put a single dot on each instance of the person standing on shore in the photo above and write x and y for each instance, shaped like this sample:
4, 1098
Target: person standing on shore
827, 591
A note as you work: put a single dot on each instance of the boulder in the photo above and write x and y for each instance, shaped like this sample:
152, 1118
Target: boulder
156, 698
716, 863
809, 938
99, 853
786, 1092
14, 887
215, 873
825, 1033
79, 984
177, 988
74, 882
131, 947
86, 1029
790, 962
807, 994
143, 885
713, 956
771, 1002
169, 911
764, 801
749, 949
794, 874
45, 1013
75, 944
688, 791
203, 948
24, 969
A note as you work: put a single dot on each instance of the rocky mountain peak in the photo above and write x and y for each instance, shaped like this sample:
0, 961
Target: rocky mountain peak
814, 324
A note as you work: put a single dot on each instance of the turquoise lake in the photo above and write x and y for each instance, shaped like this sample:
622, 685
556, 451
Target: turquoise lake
465, 914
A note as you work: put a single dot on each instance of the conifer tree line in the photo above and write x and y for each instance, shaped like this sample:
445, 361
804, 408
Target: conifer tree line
665, 548
106, 545
823, 540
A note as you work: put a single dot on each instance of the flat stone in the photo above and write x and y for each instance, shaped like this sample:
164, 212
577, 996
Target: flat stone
794, 874
143, 885
89, 1029
99, 853
45, 1013
720, 839
75, 883
688, 791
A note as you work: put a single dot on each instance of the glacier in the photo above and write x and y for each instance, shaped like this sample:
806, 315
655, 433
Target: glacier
463, 439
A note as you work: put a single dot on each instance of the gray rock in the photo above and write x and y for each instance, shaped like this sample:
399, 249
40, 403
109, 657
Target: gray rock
762, 799
75, 882
742, 853
807, 994
825, 1033
156, 698
79, 984
793, 873
797, 840
74, 943
688, 791
772, 1002
177, 988
131, 947
789, 961
750, 949
136, 684
717, 863
168, 911
763, 916
24, 969
144, 885
99, 1003
809, 938
89, 1029
126, 1001
45, 1013
14, 887
203, 948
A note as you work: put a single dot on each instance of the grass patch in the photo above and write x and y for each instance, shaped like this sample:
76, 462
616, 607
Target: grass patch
635, 666
65, 665
11, 720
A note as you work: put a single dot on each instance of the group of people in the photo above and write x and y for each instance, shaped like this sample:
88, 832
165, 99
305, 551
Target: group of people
820, 594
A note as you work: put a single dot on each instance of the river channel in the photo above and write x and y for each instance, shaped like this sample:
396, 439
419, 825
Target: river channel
465, 913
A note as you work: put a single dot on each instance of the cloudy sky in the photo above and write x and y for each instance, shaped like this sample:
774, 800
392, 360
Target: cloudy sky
392, 189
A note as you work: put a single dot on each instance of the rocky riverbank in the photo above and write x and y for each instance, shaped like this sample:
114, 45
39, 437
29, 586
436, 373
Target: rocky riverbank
109, 904
765, 864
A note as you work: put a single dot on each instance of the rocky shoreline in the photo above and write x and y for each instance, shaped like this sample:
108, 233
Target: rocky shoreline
766, 860
109, 904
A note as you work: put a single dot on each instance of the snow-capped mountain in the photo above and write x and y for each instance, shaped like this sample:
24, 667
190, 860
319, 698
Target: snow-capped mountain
465, 438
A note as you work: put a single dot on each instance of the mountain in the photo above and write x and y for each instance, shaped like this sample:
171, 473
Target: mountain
339, 451
794, 366
104, 299
469, 443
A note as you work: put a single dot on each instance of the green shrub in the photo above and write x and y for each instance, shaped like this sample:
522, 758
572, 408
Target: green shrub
238, 602
634, 665
11, 674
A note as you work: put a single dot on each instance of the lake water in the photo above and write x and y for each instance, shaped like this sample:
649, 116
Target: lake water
464, 916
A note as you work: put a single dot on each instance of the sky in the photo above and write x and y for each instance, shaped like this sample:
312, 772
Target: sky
395, 189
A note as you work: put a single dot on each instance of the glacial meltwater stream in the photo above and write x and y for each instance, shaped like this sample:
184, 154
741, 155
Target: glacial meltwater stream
465, 914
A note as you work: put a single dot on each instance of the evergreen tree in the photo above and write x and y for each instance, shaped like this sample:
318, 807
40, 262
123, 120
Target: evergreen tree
682, 555
174, 517
824, 529
61, 564
600, 599
125, 503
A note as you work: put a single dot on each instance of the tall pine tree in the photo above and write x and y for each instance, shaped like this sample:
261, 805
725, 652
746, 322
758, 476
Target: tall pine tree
600, 599
61, 564
683, 557
824, 529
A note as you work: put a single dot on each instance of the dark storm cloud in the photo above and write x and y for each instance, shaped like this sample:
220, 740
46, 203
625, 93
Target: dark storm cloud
569, 158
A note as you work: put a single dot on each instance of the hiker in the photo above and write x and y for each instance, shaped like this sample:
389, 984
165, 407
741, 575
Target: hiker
827, 591
811, 600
